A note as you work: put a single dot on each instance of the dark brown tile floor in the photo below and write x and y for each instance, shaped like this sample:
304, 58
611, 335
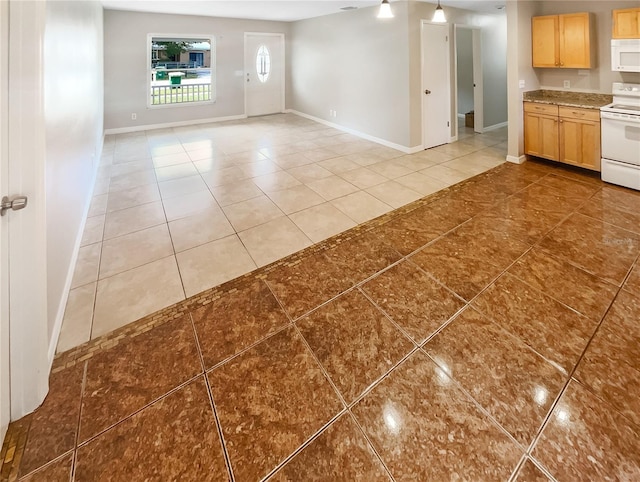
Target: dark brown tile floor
492, 333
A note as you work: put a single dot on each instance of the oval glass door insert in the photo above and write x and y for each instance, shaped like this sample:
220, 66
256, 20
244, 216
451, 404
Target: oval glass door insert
263, 63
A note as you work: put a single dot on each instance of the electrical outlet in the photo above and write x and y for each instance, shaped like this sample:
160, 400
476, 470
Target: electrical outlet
335, 114
134, 116
521, 84
566, 84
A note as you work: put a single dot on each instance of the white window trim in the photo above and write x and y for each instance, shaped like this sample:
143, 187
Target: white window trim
211, 40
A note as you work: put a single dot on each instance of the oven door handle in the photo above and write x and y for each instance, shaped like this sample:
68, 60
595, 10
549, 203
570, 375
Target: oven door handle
630, 119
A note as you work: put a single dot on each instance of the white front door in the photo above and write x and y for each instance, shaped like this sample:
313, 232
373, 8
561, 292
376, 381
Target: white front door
436, 85
264, 73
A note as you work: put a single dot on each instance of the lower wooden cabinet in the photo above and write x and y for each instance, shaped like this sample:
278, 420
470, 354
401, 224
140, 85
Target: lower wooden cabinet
541, 130
580, 137
564, 134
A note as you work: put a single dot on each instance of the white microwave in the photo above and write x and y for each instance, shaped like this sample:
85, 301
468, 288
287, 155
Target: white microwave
625, 55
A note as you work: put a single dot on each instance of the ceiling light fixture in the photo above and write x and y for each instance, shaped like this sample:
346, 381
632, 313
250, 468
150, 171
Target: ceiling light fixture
438, 15
385, 10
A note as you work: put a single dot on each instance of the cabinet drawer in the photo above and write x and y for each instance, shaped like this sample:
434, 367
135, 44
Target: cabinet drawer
577, 113
547, 109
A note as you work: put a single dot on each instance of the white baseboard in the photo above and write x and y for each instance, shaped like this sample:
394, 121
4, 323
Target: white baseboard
517, 159
57, 326
393, 145
495, 126
125, 130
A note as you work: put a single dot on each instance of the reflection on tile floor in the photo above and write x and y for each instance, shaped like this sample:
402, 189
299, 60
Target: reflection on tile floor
208, 203
429, 344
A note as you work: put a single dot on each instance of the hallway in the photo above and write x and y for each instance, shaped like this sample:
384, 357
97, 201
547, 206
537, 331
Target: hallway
177, 211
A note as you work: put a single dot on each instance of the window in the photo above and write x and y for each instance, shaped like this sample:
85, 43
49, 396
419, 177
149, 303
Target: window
263, 63
180, 70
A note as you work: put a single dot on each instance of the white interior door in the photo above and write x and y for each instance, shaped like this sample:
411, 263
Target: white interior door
23, 160
436, 84
5, 383
264, 73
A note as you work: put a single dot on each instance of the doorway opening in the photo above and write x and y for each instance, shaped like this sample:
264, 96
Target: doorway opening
468, 96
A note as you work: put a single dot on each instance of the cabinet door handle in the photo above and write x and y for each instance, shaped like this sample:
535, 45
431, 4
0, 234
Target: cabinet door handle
561, 121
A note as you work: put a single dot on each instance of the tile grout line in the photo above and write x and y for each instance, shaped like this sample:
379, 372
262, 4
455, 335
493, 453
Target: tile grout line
371, 446
216, 417
74, 460
565, 387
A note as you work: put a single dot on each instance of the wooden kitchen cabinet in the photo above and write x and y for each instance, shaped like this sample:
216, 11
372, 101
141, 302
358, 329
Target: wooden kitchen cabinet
580, 137
545, 44
566, 134
563, 41
626, 23
541, 130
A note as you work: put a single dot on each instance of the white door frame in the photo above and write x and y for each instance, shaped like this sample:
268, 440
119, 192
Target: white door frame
28, 327
478, 84
422, 79
283, 69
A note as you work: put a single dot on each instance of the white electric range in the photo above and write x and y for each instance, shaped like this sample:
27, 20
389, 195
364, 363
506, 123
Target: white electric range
620, 136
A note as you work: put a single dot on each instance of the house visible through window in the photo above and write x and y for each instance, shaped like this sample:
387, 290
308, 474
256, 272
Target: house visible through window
180, 70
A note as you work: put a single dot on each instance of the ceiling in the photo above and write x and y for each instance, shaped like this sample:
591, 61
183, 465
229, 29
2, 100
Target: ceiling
282, 10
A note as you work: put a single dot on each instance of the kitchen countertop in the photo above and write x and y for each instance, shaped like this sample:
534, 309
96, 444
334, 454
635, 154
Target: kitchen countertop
568, 98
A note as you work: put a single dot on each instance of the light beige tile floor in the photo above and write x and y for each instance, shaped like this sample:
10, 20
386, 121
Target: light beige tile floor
177, 211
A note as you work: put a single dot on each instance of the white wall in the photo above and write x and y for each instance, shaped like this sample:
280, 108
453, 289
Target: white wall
464, 60
600, 78
519, 69
357, 65
126, 71
73, 81
368, 70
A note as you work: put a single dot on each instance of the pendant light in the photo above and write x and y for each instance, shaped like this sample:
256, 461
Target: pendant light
385, 10
438, 15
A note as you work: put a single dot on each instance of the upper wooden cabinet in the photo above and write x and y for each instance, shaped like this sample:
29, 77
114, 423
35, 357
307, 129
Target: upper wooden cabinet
626, 23
563, 41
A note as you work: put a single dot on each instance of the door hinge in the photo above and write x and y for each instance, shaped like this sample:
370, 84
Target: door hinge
15, 204
447, 123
